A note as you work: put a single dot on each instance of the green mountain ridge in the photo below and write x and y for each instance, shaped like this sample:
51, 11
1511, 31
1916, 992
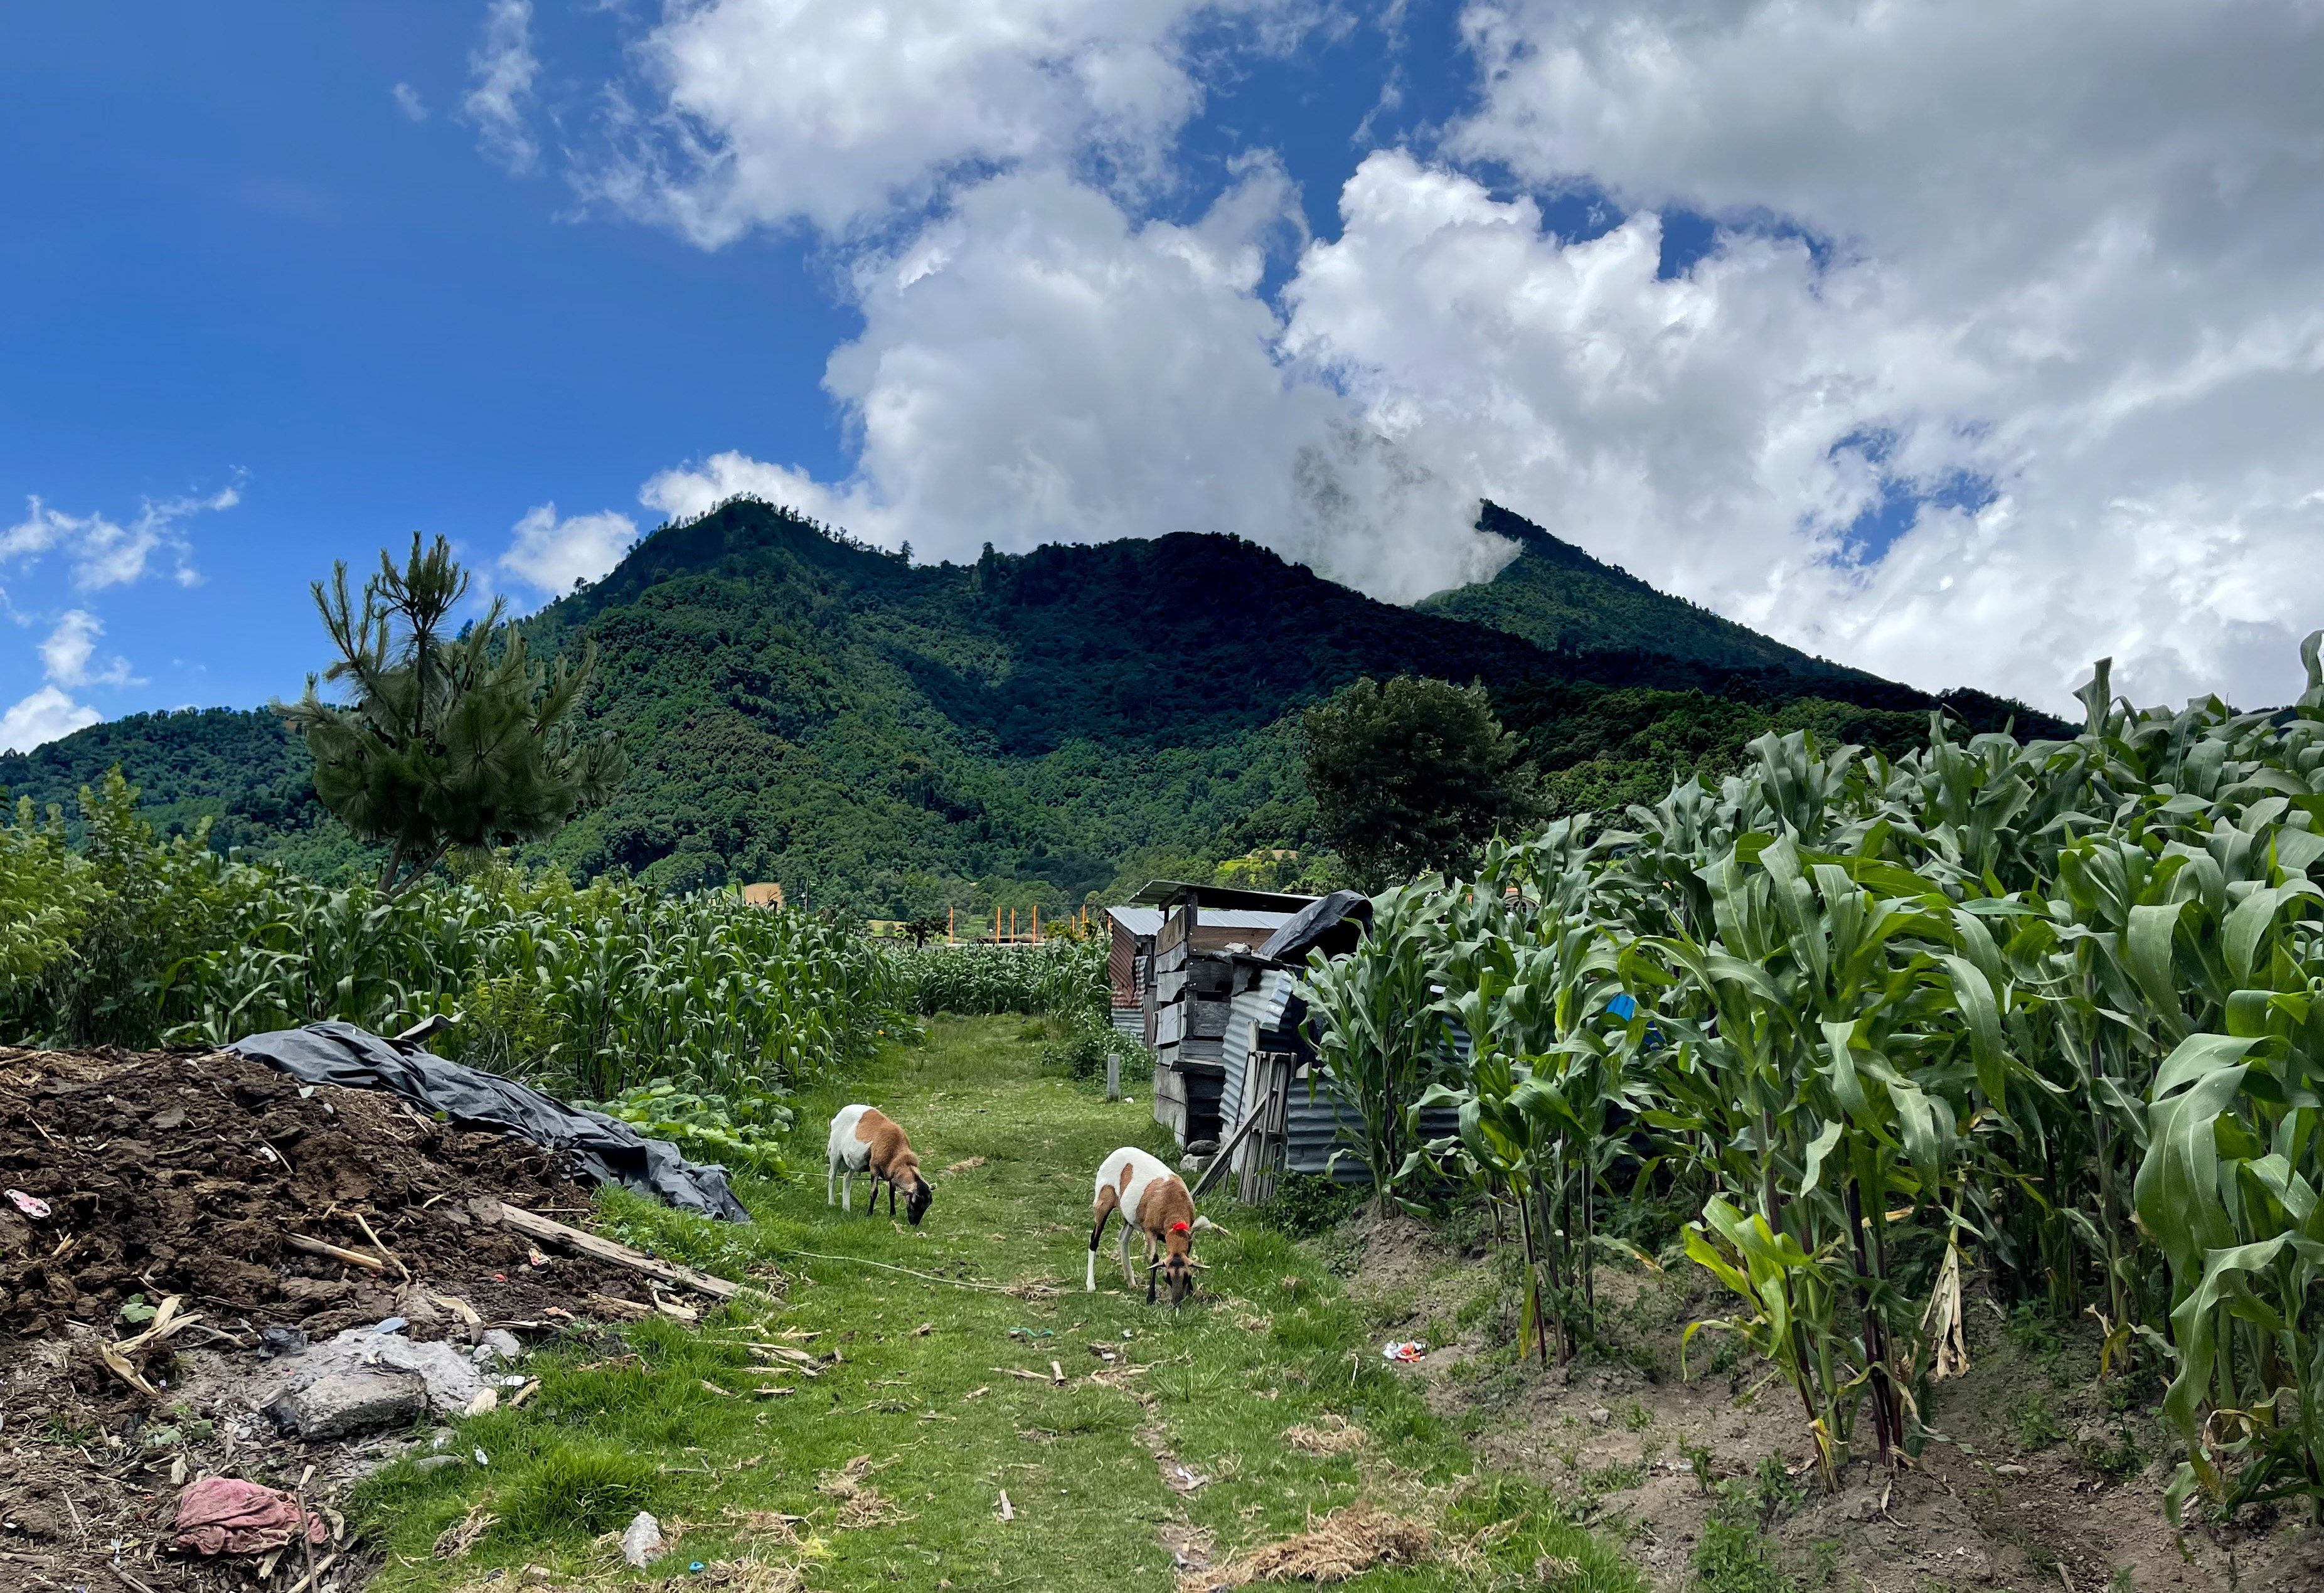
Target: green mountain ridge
897, 738
1563, 601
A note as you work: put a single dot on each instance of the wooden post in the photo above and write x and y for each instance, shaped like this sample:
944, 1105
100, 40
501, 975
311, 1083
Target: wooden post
1112, 1072
1037, 924
949, 911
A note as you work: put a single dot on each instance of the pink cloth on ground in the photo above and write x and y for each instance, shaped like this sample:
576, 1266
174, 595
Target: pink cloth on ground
226, 1515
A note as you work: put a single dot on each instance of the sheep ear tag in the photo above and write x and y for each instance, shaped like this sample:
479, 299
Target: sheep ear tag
1178, 1228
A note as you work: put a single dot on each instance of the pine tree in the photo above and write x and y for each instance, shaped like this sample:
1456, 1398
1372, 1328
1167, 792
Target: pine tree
463, 741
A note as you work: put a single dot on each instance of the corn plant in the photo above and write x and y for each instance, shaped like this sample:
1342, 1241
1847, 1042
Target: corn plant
1984, 1003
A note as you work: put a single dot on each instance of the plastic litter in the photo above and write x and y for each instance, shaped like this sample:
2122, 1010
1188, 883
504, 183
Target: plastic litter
30, 1205
481, 1458
1404, 1349
391, 1324
641, 1539
281, 1341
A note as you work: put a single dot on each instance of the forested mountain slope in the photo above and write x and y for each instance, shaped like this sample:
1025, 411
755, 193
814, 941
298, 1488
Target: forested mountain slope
893, 737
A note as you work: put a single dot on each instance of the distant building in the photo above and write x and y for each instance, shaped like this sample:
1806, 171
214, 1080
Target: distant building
1173, 951
764, 896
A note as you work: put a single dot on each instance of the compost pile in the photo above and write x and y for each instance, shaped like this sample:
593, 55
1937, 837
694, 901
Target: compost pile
172, 1316
187, 1174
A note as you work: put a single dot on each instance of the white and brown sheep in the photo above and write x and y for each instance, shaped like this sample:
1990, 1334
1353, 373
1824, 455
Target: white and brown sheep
1153, 1201
865, 1139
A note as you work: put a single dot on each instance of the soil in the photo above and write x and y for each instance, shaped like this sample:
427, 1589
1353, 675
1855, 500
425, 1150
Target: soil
181, 1174
2047, 1476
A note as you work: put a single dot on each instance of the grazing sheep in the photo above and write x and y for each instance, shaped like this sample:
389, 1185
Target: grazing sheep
865, 1139
1152, 1200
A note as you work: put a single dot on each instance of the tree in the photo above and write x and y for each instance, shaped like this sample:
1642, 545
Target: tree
1413, 776
458, 742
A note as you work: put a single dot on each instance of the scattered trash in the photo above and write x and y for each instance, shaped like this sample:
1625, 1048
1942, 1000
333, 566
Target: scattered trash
641, 1539
696, 1567
226, 1515
32, 1206
481, 1458
1007, 1512
1181, 1478
393, 1324
1030, 1333
1404, 1349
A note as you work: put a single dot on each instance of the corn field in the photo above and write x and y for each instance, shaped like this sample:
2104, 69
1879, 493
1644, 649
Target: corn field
592, 991
1060, 977
2048, 1014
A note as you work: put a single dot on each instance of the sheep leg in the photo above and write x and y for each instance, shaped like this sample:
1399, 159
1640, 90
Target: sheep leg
1102, 1210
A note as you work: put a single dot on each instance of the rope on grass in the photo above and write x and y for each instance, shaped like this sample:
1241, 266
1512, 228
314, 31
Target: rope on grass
956, 1282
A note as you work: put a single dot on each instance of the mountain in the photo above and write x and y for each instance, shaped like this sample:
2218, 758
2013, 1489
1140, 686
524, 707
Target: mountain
1563, 601
895, 738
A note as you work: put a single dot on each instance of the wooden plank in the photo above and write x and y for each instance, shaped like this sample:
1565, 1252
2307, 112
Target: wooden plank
1226, 1152
549, 1230
1191, 1020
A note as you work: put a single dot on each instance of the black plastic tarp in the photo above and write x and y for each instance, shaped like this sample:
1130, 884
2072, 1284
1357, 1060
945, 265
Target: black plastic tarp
603, 1150
1315, 924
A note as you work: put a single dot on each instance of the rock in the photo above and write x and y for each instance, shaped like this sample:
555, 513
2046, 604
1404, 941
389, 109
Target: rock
447, 1380
641, 1540
346, 1400
282, 1341
1600, 1417
502, 1344
435, 1462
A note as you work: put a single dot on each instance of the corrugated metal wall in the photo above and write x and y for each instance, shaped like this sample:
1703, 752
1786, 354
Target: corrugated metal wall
1317, 1121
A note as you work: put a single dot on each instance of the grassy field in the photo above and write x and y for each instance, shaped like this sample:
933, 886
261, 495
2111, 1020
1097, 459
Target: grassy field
924, 1392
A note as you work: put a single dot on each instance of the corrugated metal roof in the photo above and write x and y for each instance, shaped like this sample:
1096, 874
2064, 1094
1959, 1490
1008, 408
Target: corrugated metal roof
1148, 920
1163, 893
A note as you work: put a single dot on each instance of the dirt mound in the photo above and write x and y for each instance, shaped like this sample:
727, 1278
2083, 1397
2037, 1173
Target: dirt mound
190, 1174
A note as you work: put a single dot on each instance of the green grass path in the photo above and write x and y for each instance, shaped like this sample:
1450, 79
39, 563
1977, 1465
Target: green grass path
924, 1386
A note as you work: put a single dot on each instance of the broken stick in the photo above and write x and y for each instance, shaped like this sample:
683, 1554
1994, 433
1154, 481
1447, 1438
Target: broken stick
300, 1241
549, 1230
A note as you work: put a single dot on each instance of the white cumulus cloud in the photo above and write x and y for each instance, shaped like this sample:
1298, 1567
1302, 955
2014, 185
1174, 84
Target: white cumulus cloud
40, 718
554, 555
762, 112
69, 653
1040, 367
407, 100
501, 69
2077, 249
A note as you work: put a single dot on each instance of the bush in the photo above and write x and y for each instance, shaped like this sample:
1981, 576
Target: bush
1305, 1204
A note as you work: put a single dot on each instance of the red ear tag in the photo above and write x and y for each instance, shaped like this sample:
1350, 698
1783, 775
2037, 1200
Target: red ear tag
1179, 1228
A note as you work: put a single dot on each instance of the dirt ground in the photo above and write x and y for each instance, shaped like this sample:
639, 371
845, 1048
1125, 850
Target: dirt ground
183, 1175
2048, 1476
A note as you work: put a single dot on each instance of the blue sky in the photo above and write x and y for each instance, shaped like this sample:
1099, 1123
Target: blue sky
1788, 323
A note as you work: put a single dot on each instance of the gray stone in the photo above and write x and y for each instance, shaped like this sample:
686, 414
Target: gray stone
504, 1344
435, 1462
362, 1364
347, 1400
